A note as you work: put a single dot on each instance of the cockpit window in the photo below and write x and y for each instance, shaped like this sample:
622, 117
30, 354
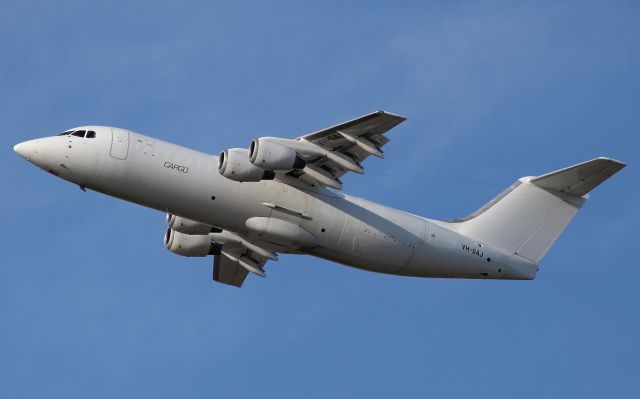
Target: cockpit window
90, 134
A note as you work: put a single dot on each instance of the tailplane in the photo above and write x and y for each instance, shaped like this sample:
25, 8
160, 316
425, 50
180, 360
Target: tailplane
527, 218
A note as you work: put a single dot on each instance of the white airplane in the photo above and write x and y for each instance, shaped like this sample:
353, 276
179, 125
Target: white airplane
245, 206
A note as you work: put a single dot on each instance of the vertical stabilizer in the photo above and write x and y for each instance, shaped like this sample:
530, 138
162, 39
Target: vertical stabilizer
527, 218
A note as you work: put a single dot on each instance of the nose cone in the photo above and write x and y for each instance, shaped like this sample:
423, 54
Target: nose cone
27, 149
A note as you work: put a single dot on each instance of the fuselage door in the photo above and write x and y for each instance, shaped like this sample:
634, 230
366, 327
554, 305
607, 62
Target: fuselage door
119, 143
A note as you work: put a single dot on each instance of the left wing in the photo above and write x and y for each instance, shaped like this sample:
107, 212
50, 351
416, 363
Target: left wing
316, 159
345, 146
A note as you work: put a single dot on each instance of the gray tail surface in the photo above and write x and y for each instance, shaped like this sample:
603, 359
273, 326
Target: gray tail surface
527, 218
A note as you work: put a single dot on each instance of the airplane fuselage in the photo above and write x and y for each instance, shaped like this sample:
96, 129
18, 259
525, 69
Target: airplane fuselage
345, 229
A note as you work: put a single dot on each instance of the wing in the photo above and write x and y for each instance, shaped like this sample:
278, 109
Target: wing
228, 272
345, 146
237, 258
232, 266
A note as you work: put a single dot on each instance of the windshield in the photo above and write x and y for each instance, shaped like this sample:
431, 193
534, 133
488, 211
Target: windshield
90, 134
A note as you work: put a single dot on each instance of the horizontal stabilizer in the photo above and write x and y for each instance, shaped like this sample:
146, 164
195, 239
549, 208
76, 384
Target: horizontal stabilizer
579, 179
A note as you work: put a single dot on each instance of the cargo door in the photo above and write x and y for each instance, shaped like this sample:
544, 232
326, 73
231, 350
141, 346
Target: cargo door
119, 143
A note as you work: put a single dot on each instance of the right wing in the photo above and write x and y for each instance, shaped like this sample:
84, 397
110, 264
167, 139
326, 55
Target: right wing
228, 272
237, 258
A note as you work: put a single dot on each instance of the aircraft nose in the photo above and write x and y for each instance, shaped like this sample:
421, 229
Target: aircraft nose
26, 149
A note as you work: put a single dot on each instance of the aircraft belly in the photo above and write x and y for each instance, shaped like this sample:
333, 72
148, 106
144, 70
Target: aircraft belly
368, 237
447, 254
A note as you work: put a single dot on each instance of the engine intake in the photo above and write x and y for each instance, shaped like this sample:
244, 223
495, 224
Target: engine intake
190, 245
274, 156
234, 164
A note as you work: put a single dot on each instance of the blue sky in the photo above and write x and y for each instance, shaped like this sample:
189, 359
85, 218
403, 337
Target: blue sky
93, 305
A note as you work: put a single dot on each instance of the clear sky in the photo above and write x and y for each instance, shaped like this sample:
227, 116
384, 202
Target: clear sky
93, 305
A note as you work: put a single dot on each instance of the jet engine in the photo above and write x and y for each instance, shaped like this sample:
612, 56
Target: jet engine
188, 226
190, 245
269, 155
234, 164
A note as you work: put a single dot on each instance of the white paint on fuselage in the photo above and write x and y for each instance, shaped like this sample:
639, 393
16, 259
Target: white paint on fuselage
350, 230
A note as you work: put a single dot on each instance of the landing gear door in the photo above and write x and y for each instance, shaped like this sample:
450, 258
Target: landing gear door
119, 143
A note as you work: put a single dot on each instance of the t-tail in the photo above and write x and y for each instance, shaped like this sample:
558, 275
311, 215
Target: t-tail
527, 218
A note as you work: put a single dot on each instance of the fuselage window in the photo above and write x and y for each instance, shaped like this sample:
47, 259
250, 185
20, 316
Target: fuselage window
79, 133
91, 134
65, 133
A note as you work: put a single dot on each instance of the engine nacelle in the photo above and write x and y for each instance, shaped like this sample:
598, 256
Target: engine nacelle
234, 164
274, 156
190, 245
188, 226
